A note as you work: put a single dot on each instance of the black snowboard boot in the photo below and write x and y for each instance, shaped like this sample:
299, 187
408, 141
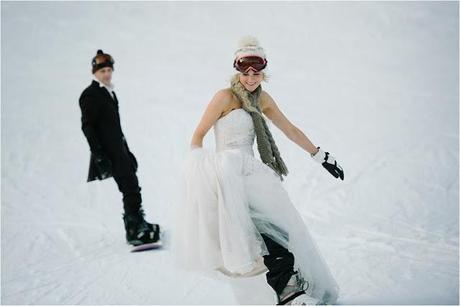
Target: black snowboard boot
139, 231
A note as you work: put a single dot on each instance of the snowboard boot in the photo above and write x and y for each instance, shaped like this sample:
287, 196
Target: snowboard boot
139, 231
297, 292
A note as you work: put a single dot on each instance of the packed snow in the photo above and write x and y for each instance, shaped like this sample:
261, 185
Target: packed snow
374, 83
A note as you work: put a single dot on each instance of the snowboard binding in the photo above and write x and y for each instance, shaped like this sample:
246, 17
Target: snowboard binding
139, 231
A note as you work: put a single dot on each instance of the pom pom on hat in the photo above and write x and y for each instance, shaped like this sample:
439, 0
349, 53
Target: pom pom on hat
247, 41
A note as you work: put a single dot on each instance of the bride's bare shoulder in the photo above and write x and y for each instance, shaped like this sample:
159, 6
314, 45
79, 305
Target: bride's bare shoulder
225, 99
224, 95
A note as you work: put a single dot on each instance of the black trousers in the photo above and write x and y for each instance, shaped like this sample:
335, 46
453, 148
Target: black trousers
124, 172
128, 185
280, 264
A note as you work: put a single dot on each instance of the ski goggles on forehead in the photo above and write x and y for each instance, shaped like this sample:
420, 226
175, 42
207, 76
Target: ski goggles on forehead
244, 64
103, 59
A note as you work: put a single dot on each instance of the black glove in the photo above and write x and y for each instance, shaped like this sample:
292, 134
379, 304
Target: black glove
329, 162
103, 164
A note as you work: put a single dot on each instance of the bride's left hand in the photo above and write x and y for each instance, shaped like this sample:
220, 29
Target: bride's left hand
329, 163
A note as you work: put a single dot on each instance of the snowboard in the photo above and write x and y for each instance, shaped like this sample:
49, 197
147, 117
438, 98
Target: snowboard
146, 247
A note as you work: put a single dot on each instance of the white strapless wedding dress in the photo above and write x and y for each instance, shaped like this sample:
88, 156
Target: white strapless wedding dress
230, 198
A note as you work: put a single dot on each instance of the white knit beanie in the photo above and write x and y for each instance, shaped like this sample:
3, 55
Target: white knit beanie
249, 46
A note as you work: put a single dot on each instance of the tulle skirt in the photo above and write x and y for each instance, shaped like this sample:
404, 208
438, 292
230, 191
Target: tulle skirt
230, 199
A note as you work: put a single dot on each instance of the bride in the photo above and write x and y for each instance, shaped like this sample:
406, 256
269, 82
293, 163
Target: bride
237, 218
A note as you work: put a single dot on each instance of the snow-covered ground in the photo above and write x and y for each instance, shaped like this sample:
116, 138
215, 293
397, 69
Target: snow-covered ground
374, 83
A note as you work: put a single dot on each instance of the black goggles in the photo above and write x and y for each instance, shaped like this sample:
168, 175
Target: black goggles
103, 60
255, 63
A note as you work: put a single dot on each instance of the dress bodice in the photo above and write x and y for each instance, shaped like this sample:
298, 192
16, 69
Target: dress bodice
235, 131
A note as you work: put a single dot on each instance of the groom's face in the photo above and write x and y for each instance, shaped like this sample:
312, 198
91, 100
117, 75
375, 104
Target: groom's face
104, 75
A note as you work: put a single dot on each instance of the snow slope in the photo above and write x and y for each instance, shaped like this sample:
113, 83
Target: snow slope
374, 83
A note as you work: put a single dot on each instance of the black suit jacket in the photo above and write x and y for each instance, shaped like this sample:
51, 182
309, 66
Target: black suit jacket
100, 123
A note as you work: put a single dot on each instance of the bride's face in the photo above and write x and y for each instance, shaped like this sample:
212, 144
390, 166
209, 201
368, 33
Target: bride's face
251, 79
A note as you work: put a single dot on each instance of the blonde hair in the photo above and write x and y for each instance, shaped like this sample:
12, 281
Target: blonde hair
236, 85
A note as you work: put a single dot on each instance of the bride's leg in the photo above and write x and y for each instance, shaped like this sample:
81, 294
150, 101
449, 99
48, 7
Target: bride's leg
280, 264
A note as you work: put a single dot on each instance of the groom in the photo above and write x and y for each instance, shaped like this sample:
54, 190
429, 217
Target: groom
110, 154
